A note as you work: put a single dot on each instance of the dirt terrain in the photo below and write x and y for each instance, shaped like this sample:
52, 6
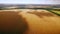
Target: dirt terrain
42, 22
12, 23
36, 22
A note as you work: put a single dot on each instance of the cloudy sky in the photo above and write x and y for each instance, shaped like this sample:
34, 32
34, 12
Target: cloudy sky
30, 1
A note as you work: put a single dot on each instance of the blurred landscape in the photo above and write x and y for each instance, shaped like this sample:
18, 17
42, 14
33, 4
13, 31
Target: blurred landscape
31, 5
30, 18
55, 8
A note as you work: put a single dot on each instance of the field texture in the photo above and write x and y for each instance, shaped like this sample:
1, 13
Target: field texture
57, 12
36, 22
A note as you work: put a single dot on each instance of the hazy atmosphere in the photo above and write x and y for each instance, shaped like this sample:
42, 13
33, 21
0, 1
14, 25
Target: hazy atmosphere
30, 1
29, 16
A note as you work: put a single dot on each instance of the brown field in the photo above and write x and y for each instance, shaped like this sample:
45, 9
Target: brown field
29, 22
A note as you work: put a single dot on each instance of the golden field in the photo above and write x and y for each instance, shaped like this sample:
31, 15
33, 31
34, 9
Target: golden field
26, 21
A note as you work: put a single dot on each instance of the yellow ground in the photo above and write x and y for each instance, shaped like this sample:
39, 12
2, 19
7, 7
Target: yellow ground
45, 24
40, 22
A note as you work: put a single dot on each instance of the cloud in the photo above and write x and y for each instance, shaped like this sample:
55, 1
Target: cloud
31, 1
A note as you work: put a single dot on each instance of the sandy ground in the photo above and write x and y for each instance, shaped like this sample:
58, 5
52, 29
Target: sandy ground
42, 22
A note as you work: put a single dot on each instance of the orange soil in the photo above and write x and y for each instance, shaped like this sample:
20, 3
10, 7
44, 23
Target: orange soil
34, 22
42, 23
